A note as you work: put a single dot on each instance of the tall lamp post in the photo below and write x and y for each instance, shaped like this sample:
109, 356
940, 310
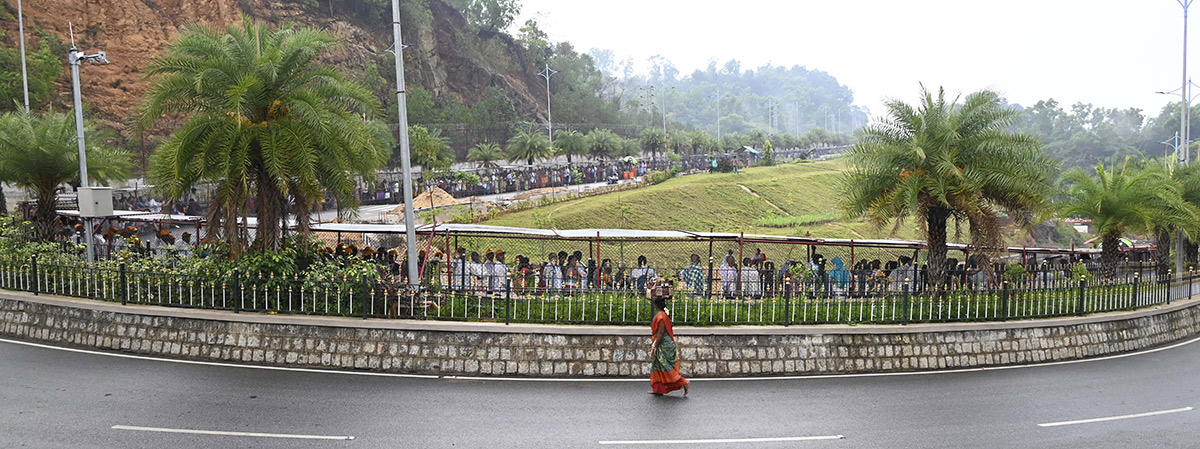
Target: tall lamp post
547, 73
75, 58
1184, 156
24, 73
410, 230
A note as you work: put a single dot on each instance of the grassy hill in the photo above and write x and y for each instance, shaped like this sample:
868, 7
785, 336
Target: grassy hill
799, 197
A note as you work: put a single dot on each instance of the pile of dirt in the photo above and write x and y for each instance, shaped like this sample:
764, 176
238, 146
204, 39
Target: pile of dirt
432, 198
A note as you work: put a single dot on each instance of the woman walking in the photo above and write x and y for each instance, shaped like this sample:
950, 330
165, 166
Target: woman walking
664, 369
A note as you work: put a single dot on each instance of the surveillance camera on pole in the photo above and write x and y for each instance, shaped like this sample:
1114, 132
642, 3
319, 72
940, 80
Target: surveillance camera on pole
92, 202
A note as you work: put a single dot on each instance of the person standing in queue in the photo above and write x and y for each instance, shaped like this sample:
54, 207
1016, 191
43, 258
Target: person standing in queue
664, 354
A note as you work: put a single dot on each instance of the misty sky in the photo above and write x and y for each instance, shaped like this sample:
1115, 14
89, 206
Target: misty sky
1106, 52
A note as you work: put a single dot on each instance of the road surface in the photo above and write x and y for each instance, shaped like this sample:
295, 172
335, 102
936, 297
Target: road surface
51, 397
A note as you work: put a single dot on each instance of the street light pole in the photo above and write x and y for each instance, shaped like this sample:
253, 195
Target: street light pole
1184, 155
74, 58
547, 73
24, 73
410, 230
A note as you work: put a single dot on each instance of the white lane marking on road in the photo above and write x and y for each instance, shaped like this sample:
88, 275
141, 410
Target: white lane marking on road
1115, 418
559, 379
728, 440
234, 434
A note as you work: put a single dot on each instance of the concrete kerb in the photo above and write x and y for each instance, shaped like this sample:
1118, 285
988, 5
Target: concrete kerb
495, 349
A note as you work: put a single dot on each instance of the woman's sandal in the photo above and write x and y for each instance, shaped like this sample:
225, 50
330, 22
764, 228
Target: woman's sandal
687, 387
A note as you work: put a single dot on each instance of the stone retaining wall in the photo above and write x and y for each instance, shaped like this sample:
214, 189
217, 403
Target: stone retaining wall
492, 350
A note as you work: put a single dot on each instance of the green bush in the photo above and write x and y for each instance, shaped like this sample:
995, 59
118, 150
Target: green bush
660, 177
1014, 272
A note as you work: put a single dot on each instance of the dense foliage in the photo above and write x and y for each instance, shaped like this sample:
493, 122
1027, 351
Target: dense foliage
944, 160
263, 121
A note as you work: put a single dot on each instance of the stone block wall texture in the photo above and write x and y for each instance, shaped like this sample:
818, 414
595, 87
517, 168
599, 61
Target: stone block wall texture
534, 354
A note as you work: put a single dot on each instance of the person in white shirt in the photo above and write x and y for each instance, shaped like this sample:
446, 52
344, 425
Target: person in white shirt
476, 273
751, 280
552, 274
643, 273
499, 273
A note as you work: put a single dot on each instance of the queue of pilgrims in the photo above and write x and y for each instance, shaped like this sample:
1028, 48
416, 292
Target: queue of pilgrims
562, 273
755, 276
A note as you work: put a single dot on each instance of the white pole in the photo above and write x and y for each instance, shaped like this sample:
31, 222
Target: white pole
24, 73
410, 229
1183, 155
74, 58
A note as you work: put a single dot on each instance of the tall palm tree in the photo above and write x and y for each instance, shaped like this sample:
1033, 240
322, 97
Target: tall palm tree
602, 143
943, 160
486, 154
699, 141
529, 146
1124, 199
1188, 177
262, 119
40, 153
571, 143
653, 140
628, 147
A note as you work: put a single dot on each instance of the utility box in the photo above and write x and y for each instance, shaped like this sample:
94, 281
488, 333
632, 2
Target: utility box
95, 202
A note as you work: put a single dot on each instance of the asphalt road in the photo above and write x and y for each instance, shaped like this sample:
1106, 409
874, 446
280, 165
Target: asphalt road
58, 399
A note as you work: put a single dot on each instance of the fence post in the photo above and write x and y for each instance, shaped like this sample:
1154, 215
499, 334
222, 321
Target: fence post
1080, 309
787, 303
124, 282
1136, 278
34, 269
507, 301
237, 289
709, 280
1170, 279
904, 313
367, 292
1004, 302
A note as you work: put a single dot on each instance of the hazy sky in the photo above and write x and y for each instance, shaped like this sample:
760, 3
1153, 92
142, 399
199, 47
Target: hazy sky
1106, 52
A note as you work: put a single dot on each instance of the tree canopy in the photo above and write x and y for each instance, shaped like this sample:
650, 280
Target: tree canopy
944, 160
265, 122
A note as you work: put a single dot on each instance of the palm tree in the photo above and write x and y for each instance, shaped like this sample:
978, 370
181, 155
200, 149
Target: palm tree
572, 143
429, 150
699, 140
1121, 200
486, 154
653, 140
946, 160
628, 148
528, 146
261, 118
1188, 177
602, 143
40, 153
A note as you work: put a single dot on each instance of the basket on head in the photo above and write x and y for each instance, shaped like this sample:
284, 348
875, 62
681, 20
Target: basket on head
658, 288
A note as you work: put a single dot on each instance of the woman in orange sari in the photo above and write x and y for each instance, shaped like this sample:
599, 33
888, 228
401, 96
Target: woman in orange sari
664, 369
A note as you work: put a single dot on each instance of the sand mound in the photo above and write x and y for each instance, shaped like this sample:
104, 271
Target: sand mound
433, 197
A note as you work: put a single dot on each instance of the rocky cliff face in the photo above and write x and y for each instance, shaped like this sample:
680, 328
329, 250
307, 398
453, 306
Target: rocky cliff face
444, 55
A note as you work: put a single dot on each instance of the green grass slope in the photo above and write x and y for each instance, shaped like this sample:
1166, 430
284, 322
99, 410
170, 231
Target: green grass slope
722, 202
